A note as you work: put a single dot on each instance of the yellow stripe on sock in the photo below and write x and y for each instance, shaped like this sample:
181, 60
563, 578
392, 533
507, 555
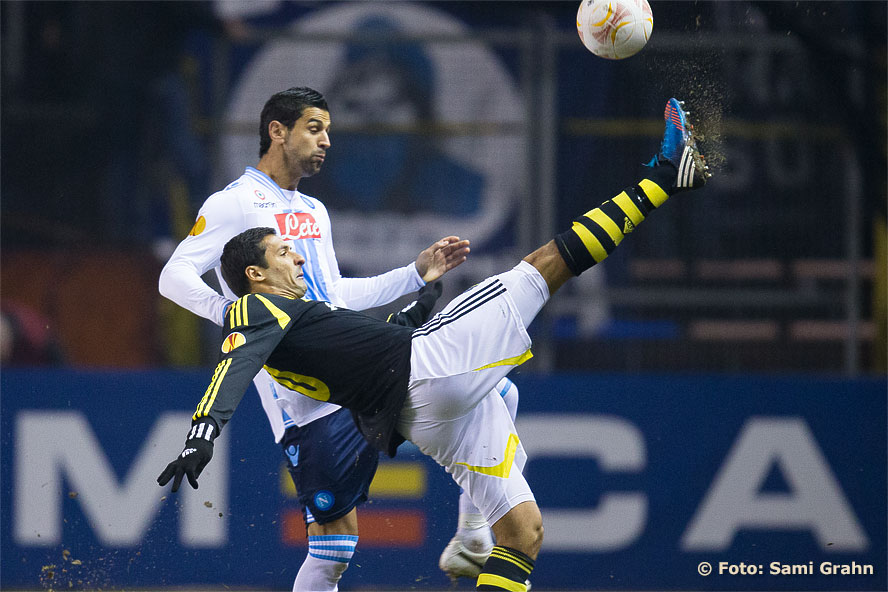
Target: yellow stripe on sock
629, 208
515, 361
500, 553
282, 318
604, 221
500, 582
591, 243
653, 192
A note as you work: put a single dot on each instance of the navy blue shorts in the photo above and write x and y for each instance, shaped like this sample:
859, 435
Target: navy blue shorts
331, 464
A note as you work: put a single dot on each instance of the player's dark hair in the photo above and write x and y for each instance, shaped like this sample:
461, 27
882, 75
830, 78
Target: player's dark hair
287, 106
239, 253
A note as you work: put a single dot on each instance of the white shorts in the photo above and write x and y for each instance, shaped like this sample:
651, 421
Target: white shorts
452, 412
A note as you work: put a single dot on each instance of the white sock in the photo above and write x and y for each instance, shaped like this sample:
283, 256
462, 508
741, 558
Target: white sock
472, 528
327, 559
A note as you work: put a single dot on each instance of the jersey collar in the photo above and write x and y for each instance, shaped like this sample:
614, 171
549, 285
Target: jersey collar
276, 190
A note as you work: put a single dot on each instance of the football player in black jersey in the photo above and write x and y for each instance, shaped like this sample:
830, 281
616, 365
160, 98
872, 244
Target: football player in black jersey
430, 385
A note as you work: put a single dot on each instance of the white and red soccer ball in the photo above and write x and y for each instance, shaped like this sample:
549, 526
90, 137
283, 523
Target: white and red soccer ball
614, 29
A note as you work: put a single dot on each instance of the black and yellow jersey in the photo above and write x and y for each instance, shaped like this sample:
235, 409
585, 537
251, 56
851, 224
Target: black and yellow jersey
321, 351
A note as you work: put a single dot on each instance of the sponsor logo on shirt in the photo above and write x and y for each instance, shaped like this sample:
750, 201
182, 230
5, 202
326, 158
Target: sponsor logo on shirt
199, 226
297, 225
232, 341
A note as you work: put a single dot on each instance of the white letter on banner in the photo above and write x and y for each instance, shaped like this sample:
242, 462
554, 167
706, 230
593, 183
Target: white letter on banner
618, 446
57, 447
735, 501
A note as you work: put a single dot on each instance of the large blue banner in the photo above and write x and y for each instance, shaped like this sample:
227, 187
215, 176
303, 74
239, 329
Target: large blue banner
652, 482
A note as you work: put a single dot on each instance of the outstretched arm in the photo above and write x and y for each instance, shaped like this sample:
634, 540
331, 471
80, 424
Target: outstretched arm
255, 328
432, 263
441, 257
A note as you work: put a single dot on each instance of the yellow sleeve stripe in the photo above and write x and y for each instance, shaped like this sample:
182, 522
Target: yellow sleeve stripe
514, 361
283, 318
500, 582
238, 313
210, 396
591, 243
653, 192
608, 225
629, 208
505, 555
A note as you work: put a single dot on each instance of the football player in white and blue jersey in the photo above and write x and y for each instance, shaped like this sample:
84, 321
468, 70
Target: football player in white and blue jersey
314, 435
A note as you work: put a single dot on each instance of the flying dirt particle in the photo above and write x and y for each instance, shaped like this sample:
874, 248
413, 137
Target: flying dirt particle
208, 504
72, 494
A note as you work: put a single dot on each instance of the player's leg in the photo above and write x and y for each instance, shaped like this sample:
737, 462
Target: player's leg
594, 235
330, 483
330, 549
519, 535
479, 447
467, 551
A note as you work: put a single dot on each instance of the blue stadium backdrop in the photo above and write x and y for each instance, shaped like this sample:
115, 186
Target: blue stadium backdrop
640, 480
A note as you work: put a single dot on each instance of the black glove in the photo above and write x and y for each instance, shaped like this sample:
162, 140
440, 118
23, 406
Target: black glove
417, 312
197, 453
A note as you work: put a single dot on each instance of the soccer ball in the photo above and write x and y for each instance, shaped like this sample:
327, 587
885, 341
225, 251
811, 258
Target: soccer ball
614, 29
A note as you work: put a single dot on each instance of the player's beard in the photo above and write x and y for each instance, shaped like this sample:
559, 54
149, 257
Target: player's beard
312, 166
307, 166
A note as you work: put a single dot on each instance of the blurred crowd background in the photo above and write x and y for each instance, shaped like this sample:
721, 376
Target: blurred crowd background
485, 119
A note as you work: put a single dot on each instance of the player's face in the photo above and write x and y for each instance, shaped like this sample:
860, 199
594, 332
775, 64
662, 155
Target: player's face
306, 144
284, 271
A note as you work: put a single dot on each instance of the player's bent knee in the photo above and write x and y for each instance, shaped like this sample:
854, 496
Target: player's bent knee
521, 528
535, 535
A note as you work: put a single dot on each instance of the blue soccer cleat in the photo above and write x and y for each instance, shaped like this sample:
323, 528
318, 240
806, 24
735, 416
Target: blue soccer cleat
679, 148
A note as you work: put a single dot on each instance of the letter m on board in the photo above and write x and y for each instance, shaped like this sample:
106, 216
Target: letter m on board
57, 453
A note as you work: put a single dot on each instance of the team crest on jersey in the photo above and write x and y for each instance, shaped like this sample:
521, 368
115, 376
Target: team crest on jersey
199, 226
234, 340
297, 225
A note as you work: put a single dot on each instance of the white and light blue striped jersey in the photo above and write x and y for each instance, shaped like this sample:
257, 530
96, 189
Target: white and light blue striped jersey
253, 200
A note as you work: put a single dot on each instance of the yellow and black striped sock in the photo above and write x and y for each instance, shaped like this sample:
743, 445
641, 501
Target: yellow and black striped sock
505, 569
594, 235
